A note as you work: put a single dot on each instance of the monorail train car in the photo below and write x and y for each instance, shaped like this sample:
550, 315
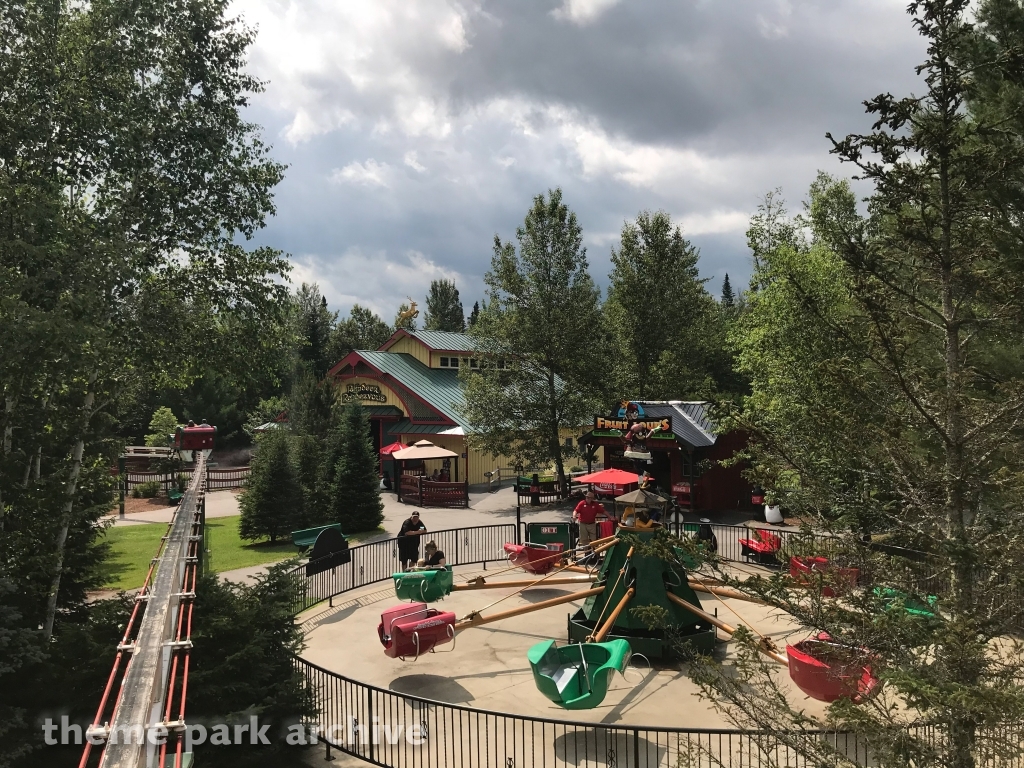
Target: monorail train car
194, 437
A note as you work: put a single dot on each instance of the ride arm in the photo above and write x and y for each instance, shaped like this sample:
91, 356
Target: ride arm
474, 619
610, 622
768, 651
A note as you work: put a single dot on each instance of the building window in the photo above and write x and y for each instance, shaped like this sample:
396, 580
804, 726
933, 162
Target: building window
444, 362
473, 363
568, 442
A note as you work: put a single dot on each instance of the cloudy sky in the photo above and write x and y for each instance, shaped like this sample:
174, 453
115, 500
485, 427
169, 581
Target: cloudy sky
415, 130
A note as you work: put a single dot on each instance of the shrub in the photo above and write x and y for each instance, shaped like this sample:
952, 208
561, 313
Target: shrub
146, 490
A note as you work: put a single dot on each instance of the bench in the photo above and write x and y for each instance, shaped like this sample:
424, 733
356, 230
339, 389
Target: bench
763, 549
306, 538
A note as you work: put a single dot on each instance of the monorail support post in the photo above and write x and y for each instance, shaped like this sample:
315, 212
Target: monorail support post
122, 483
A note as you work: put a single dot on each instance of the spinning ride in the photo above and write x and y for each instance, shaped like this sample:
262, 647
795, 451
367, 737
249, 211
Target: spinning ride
632, 582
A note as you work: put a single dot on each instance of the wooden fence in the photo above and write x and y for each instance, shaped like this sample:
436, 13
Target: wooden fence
216, 479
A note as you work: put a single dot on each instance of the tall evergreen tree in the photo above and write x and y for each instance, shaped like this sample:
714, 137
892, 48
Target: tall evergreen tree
541, 337
311, 404
728, 299
444, 308
315, 325
888, 393
665, 324
356, 483
474, 314
271, 504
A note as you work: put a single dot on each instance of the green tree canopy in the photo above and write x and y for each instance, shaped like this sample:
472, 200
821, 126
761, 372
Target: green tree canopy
161, 427
124, 232
444, 308
884, 353
362, 329
541, 369
666, 326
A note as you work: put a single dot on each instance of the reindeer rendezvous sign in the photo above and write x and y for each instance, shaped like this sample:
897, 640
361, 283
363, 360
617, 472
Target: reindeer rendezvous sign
367, 393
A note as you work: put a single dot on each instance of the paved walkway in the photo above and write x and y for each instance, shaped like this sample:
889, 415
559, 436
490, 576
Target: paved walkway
221, 503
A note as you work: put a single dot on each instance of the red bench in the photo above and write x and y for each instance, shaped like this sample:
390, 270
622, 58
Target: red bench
763, 549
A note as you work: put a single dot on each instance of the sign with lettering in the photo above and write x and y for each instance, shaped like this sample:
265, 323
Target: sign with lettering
606, 424
363, 392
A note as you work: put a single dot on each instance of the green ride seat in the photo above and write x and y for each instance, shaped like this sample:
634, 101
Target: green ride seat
307, 536
914, 606
577, 676
424, 586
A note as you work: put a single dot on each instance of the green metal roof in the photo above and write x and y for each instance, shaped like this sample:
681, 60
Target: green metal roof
446, 340
406, 427
376, 411
440, 389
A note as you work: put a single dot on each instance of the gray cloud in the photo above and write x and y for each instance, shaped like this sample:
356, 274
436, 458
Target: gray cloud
415, 131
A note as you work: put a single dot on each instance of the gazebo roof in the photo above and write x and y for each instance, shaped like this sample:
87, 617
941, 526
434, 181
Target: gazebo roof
424, 449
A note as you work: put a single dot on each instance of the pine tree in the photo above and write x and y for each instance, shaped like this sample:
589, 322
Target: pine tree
474, 315
308, 457
314, 327
272, 502
728, 299
444, 308
310, 405
355, 497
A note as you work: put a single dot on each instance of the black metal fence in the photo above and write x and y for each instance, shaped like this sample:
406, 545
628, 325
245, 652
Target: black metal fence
378, 560
398, 730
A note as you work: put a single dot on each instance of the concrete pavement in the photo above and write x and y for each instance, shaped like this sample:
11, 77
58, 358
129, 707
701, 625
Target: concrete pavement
223, 503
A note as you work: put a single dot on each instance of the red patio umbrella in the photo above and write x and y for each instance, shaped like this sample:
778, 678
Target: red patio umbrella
387, 450
609, 477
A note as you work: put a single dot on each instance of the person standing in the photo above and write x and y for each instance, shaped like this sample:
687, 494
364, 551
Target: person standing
586, 514
409, 540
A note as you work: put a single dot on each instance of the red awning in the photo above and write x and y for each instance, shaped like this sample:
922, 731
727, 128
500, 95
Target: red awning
387, 450
609, 477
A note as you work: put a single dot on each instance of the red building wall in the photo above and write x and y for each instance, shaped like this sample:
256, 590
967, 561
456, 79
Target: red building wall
723, 488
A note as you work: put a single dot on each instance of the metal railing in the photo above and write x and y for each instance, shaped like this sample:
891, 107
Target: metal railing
378, 560
352, 715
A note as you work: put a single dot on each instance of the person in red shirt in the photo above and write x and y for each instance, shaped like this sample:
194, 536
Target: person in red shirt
586, 514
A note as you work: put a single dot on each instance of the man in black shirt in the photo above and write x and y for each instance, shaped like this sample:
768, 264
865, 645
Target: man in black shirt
409, 540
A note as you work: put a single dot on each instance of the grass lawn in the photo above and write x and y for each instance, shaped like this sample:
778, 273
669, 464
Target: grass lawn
133, 546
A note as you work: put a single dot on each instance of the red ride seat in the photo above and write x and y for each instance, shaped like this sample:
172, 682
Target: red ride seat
535, 558
827, 671
412, 629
